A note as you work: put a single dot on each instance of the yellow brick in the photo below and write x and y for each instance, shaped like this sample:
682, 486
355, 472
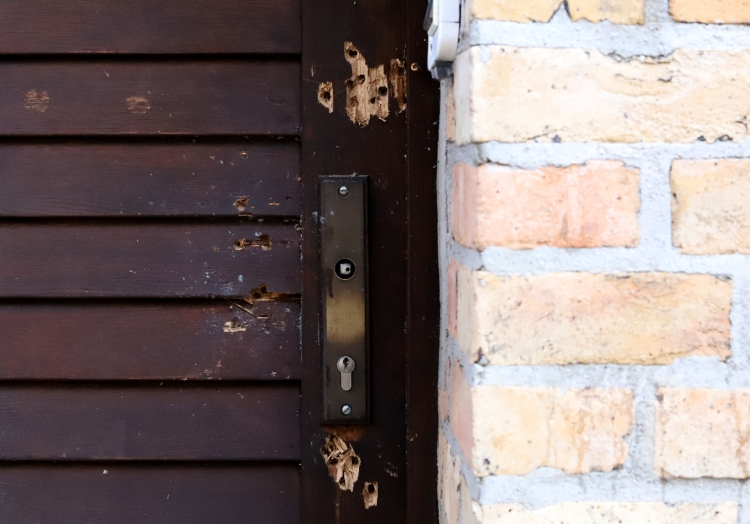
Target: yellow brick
569, 318
589, 205
528, 94
616, 11
710, 212
514, 10
612, 513
702, 433
711, 11
516, 430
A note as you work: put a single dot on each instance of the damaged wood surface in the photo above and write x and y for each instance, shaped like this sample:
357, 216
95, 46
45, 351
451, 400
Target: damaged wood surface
366, 90
144, 180
342, 461
141, 494
370, 494
152, 97
150, 340
167, 421
150, 26
165, 260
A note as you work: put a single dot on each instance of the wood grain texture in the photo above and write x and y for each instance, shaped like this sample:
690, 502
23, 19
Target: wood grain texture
130, 494
150, 26
193, 340
129, 180
76, 259
423, 282
154, 97
174, 421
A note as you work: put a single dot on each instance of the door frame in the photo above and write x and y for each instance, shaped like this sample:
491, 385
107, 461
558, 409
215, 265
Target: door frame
398, 448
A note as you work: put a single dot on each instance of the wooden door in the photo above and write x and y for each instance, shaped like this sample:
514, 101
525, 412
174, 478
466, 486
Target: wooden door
159, 310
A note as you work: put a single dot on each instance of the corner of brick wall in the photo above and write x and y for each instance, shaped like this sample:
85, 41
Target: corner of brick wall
595, 220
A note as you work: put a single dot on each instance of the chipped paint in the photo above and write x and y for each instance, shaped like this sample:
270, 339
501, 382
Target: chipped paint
36, 101
233, 326
343, 463
263, 241
325, 95
370, 494
397, 76
137, 104
241, 204
366, 89
262, 294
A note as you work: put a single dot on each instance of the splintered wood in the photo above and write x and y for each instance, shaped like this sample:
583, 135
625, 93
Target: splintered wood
343, 463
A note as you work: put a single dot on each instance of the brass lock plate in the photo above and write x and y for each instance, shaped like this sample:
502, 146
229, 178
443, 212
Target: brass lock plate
343, 228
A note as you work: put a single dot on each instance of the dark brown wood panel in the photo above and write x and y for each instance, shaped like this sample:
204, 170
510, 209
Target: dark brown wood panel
129, 494
171, 421
150, 26
147, 260
129, 180
203, 97
201, 340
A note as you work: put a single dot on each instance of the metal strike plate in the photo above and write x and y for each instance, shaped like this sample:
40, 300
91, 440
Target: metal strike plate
343, 228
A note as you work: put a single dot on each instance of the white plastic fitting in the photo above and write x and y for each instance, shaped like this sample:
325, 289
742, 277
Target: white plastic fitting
443, 17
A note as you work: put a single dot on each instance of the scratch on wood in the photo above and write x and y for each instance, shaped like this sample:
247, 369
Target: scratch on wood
343, 463
36, 101
397, 77
370, 494
325, 95
137, 104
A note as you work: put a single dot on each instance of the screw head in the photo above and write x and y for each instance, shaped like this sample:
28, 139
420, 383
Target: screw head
344, 191
346, 409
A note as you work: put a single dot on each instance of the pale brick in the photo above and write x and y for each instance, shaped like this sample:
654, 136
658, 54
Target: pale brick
450, 114
616, 11
452, 298
611, 513
573, 95
516, 430
711, 11
702, 433
461, 414
448, 481
572, 318
710, 212
589, 205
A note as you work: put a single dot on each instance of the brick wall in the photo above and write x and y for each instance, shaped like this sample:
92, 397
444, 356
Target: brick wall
595, 194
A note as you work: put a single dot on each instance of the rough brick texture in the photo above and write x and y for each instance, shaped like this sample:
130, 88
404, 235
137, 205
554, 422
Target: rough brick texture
703, 433
569, 318
615, 11
710, 211
611, 513
574, 95
711, 11
448, 482
516, 430
589, 205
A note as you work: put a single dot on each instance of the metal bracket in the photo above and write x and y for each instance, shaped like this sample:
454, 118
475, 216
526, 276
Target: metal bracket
343, 257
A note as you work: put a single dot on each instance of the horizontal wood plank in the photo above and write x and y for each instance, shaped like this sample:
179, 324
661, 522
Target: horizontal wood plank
129, 180
201, 340
130, 494
149, 260
142, 422
226, 97
150, 26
